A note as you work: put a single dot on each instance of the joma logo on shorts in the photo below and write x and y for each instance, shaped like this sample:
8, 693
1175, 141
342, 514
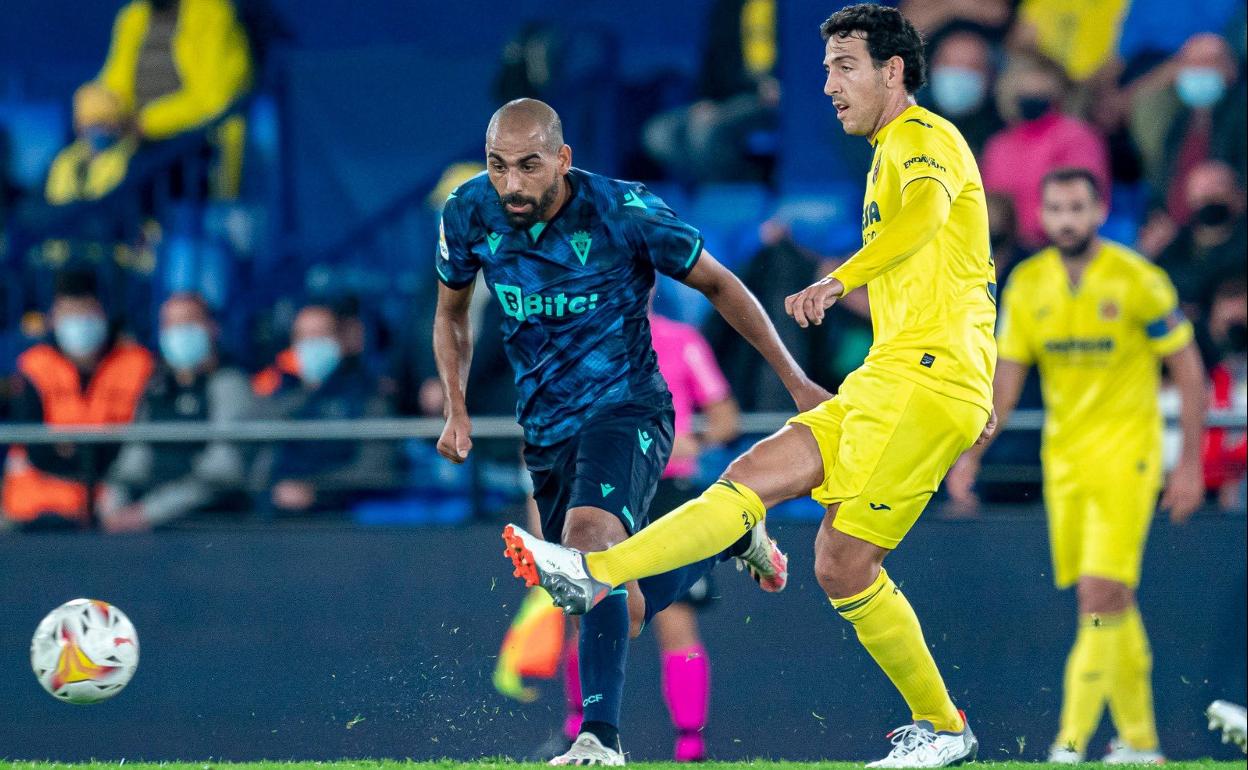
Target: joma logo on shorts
520, 306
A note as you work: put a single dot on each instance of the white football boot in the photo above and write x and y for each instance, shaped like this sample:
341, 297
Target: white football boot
1232, 720
1122, 754
560, 570
919, 745
1064, 755
764, 560
588, 750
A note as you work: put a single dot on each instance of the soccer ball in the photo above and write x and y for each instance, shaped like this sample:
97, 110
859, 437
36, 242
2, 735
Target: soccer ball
84, 651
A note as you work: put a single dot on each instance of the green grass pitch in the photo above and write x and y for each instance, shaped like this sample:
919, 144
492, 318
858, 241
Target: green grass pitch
494, 765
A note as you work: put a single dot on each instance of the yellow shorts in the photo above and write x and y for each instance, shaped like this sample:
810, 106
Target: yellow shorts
1100, 530
887, 443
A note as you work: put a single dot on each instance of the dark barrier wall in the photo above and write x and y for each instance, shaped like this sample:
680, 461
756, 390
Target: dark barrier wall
325, 643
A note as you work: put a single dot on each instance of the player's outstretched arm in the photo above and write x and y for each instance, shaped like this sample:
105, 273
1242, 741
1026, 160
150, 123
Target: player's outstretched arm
925, 207
1185, 489
452, 349
741, 309
1007, 386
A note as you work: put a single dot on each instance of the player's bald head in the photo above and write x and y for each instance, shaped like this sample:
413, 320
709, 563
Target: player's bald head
526, 121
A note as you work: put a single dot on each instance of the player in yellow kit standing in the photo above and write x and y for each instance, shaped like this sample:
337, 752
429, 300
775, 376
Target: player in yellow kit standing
1097, 319
876, 452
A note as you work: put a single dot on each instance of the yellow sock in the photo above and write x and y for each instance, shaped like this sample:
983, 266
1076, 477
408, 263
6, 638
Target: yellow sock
1090, 668
1131, 691
696, 530
888, 628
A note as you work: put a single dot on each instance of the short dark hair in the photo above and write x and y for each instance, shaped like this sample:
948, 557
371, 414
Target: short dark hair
77, 283
887, 34
1073, 174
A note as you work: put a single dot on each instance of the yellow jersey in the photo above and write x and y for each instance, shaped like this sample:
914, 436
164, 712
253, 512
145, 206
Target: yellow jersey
1098, 348
933, 312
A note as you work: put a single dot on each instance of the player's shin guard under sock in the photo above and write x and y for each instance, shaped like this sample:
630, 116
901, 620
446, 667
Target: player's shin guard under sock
1131, 689
887, 626
687, 692
1090, 669
699, 529
572, 693
663, 589
604, 652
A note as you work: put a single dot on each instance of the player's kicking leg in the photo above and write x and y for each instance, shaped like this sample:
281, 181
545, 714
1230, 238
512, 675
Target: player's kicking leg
880, 472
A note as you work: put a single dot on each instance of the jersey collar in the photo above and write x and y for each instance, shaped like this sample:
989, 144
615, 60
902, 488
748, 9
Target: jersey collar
574, 188
914, 111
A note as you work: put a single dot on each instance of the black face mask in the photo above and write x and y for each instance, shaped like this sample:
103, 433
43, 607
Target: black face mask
1236, 339
1033, 107
1212, 215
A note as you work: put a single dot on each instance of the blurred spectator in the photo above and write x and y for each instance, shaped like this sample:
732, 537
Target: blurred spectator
172, 67
1212, 246
97, 160
1081, 36
87, 375
1153, 32
961, 82
1203, 80
931, 16
156, 484
1225, 450
323, 475
1003, 235
771, 275
708, 141
1038, 139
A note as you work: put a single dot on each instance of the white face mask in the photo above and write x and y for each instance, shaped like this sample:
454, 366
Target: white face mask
1200, 87
958, 90
80, 335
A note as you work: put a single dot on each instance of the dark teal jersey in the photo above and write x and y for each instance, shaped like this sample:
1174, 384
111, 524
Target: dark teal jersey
574, 291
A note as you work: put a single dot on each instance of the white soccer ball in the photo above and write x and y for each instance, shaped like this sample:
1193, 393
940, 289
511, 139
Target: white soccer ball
84, 651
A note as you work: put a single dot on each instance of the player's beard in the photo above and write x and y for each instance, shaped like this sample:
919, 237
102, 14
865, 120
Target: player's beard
1075, 249
537, 209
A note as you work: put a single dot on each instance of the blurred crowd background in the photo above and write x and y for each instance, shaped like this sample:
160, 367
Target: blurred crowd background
216, 211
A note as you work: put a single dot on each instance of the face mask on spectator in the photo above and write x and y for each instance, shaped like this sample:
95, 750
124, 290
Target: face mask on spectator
1212, 215
185, 346
958, 90
1200, 87
80, 335
1033, 106
318, 358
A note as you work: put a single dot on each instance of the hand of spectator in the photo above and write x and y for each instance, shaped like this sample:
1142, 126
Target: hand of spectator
292, 495
455, 442
1156, 234
1185, 491
769, 92
960, 481
686, 447
809, 305
129, 518
431, 398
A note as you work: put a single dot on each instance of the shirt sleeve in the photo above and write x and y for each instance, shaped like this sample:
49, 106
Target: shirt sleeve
707, 381
1014, 339
457, 266
922, 151
1157, 310
668, 243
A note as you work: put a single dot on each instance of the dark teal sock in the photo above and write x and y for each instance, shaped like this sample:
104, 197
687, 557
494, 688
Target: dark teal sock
604, 652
